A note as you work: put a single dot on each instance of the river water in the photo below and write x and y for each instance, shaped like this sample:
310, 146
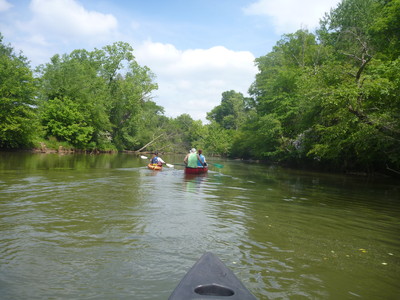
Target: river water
106, 227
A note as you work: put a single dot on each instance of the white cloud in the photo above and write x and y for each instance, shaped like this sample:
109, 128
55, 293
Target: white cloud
60, 26
192, 81
290, 15
4, 5
68, 18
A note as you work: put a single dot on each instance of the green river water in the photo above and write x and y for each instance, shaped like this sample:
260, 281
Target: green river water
106, 227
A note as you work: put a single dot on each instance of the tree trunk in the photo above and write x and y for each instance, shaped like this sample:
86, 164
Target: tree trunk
151, 142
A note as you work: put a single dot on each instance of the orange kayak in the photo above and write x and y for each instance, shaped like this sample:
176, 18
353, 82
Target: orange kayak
154, 167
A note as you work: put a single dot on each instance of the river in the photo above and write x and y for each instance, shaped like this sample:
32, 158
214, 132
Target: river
105, 227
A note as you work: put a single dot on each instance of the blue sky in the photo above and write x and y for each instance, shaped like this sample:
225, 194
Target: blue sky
197, 48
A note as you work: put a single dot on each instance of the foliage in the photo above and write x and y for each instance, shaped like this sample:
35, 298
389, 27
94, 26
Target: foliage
330, 98
361, 124
17, 100
230, 114
188, 133
385, 31
64, 120
217, 140
100, 94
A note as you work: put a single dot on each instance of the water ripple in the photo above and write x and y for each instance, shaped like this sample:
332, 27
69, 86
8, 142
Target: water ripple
130, 233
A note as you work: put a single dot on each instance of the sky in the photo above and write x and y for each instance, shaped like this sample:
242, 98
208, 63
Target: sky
197, 49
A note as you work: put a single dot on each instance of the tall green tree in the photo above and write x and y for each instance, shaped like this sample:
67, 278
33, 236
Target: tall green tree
230, 114
278, 95
130, 94
65, 120
190, 132
153, 131
331, 98
260, 137
106, 86
17, 100
363, 128
217, 140
72, 82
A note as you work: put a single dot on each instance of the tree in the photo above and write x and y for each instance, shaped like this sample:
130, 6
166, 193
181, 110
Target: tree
106, 88
295, 58
230, 114
17, 100
331, 98
281, 99
64, 119
363, 128
127, 106
217, 140
154, 132
260, 138
385, 31
190, 132
72, 81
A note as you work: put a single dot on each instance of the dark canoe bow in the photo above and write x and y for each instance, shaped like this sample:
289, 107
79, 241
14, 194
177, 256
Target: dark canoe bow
209, 278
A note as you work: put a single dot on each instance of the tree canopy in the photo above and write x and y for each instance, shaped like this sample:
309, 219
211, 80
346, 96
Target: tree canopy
17, 99
331, 98
95, 99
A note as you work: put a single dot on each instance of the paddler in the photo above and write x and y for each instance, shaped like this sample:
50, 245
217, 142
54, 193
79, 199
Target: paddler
156, 160
192, 158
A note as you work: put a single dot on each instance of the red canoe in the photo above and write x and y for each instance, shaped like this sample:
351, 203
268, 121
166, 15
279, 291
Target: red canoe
200, 170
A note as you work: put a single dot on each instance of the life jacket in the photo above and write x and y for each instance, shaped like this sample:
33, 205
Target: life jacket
155, 161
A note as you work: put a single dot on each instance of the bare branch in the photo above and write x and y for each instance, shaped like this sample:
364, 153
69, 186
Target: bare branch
397, 172
151, 142
387, 131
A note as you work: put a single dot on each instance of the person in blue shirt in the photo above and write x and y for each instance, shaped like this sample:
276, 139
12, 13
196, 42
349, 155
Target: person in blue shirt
202, 162
156, 160
193, 160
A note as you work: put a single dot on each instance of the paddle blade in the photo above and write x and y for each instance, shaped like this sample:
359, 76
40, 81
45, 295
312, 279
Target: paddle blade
218, 165
170, 166
143, 157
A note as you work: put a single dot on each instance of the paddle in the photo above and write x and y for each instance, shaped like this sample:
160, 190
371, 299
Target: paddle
219, 166
145, 157
216, 165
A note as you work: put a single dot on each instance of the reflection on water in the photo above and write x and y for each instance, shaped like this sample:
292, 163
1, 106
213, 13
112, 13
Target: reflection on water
194, 182
106, 227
